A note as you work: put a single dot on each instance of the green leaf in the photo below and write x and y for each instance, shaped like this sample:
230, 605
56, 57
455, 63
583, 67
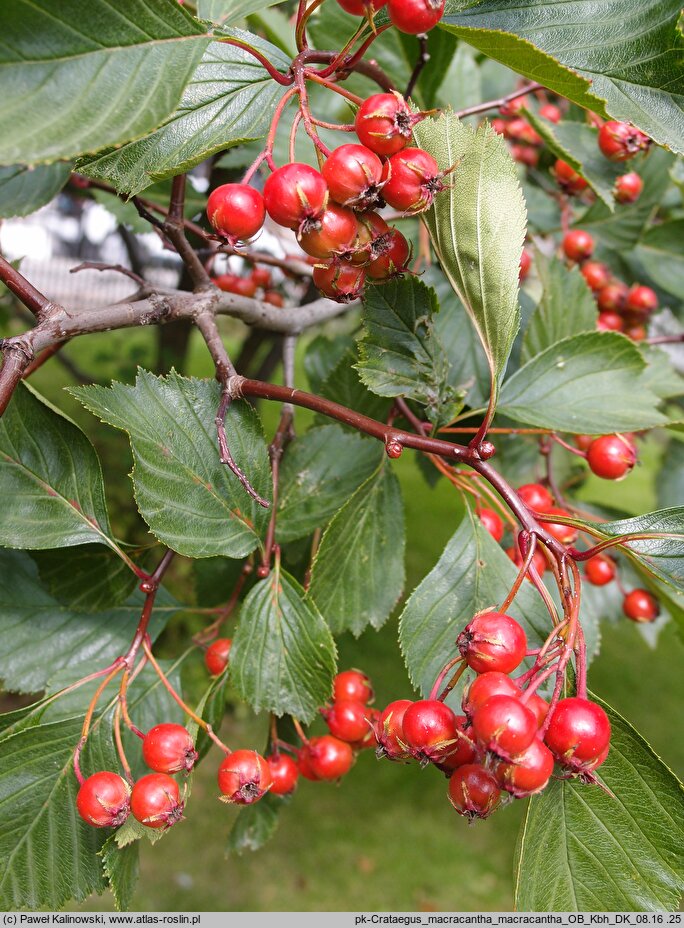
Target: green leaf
225, 12
191, 502
619, 58
229, 100
296, 663
51, 472
400, 352
670, 479
567, 306
477, 226
588, 383
255, 825
322, 357
121, 869
358, 574
81, 76
344, 386
215, 579
24, 190
473, 573
320, 471
211, 708
39, 636
581, 850
660, 256
85, 578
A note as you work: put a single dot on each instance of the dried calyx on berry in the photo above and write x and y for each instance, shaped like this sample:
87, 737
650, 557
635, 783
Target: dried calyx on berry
244, 777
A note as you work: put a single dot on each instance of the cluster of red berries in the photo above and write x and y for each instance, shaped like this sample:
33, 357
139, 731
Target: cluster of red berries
333, 211
410, 16
508, 738
525, 141
257, 283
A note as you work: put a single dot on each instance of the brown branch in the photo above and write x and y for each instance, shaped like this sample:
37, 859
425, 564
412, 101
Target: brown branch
423, 58
495, 104
15, 361
31, 298
102, 266
173, 228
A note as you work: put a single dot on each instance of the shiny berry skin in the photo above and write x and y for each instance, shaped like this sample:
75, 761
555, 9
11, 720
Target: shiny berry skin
342, 282
596, 275
550, 112
232, 283
368, 740
492, 641
244, 777
529, 773
353, 174
505, 726
156, 802
610, 322
284, 774
236, 211
611, 456
636, 332
578, 733
491, 683
334, 233
415, 16
360, 7
583, 441
640, 606
539, 706
304, 765
619, 141
389, 731
261, 277
535, 497
525, 264
352, 686
412, 179
103, 800
641, 300
600, 570
294, 194
393, 260
568, 178
578, 245
539, 562
428, 725
493, 522
612, 299
464, 751
384, 123
329, 758
168, 748
347, 720
473, 791
216, 655
628, 188
566, 534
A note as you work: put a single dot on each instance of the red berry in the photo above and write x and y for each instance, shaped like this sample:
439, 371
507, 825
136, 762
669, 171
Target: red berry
284, 774
641, 300
609, 322
392, 262
535, 497
539, 706
244, 777
492, 641
493, 522
384, 123
340, 282
600, 570
578, 245
551, 112
514, 106
504, 726
412, 179
429, 725
566, 534
523, 154
613, 297
473, 791
103, 800
628, 188
352, 686
568, 178
611, 456
274, 298
640, 606
329, 758
578, 733
216, 655
295, 194
360, 7
463, 751
261, 277
491, 683
596, 274
619, 141
334, 233
538, 560
353, 174
583, 441
529, 773
525, 264
347, 720
389, 731
304, 765
369, 740
232, 283
415, 16
168, 748
156, 802
499, 125
636, 332
520, 130
236, 211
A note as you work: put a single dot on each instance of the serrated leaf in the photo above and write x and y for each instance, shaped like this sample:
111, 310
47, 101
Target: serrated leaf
585, 384
320, 471
343, 386
121, 869
400, 352
78, 77
229, 100
225, 12
477, 227
618, 58
296, 652
254, 826
358, 574
191, 502
566, 307
24, 190
472, 574
322, 357
85, 578
581, 850
52, 475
